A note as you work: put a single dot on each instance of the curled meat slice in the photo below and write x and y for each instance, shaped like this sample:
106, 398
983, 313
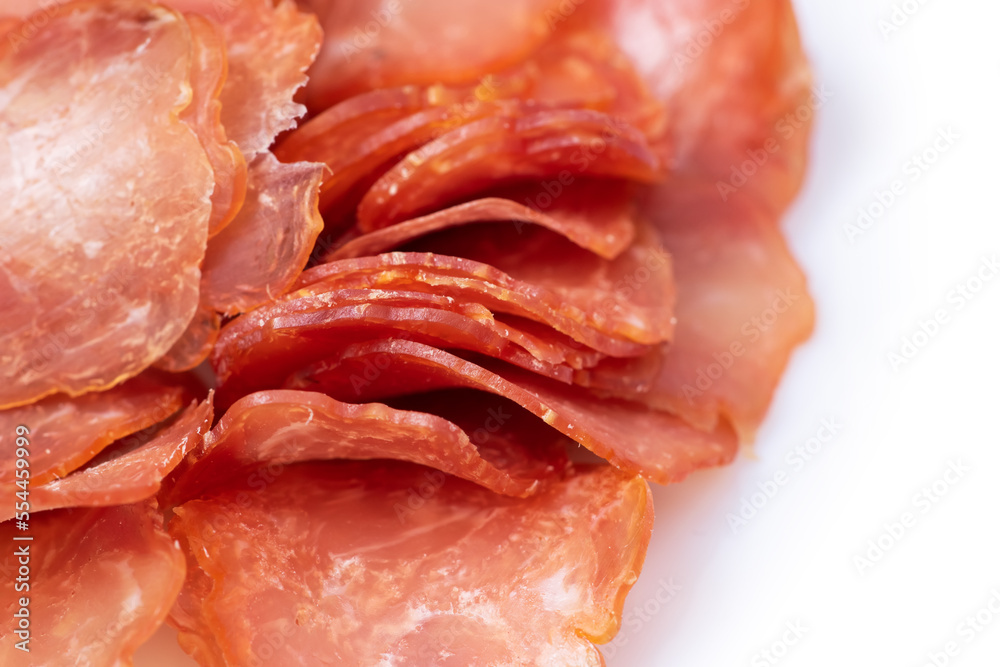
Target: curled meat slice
195, 344
208, 73
130, 470
630, 435
378, 566
102, 581
261, 253
279, 428
96, 286
67, 432
595, 215
557, 146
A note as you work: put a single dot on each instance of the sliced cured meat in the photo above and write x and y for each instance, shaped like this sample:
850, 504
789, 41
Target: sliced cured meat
195, 344
397, 563
279, 428
103, 282
128, 471
742, 306
208, 74
257, 351
67, 432
595, 215
370, 45
269, 44
261, 253
630, 435
557, 145
616, 307
102, 581
730, 100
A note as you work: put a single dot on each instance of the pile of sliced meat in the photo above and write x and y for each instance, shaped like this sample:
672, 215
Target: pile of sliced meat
308, 309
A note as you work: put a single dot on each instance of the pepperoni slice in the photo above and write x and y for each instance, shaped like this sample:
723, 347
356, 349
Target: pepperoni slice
102, 581
103, 283
261, 253
67, 432
377, 565
553, 145
595, 215
632, 436
284, 427
128, 471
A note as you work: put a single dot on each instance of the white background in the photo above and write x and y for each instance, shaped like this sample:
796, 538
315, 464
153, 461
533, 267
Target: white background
795, 561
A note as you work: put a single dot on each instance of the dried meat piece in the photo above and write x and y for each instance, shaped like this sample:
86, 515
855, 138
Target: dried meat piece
279, 428
398, 563
102, 581
102, 283
554, 146
67, 432
209, 70
633, 437
595, 215
261, 253
133, 471
369, 45
195, 344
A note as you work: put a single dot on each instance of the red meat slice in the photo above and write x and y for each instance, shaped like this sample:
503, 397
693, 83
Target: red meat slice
632, 436
284, 427
394, 562
555, 145
102, 582
195, 345
370, 45
67, 432
101, 284
261, 253
595, 215
131, 472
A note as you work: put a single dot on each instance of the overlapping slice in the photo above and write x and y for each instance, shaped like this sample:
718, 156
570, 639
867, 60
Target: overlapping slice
632, 436
102, 581
97, 285
261, 253
595, 215
129, 471
463, 577
279, 428
194, 346
67, 432
557, 144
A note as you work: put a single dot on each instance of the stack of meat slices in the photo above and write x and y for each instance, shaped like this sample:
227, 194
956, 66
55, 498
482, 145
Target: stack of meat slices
416, 253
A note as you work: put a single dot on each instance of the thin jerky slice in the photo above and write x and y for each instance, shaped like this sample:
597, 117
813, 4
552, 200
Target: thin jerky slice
195, 344
67, 432
208, 74
595, 215
261, 253
279, 428
131, 473
630, 435
102, 582
397, 563
269, 45
546, 145
98, 285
